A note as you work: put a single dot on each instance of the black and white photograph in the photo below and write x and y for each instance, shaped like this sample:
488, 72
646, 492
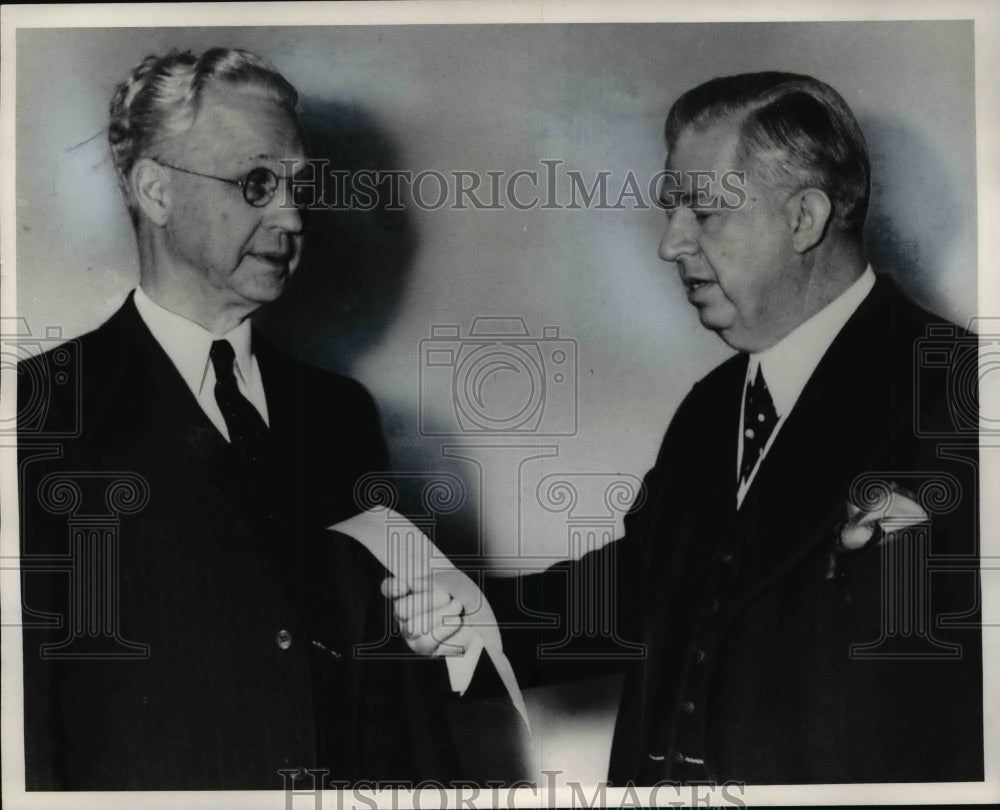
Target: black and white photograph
499, 404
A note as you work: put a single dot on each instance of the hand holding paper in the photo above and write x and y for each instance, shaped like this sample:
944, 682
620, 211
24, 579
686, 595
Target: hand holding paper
434, 598
430, 617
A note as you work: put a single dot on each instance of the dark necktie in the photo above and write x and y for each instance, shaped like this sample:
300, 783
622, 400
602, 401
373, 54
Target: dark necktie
759, 419
247, 429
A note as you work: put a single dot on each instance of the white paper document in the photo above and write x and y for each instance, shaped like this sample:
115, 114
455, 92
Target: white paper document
408, 554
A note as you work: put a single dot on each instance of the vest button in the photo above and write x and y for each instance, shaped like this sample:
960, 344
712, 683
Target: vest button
283, 639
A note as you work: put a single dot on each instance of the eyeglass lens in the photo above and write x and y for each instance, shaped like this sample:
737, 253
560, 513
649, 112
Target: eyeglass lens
260, 185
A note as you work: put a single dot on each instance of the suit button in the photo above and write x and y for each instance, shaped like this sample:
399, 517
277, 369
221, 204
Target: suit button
283, 639
688, 707
726, 556
713, 605
700, 656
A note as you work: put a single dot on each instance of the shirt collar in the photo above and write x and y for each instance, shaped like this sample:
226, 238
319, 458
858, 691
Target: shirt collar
187, 344
790, 362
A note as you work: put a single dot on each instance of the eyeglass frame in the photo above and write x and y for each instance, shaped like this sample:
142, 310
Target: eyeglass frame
242, 183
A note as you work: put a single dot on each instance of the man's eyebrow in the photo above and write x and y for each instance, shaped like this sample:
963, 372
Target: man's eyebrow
276, 158
299, 165
261, 156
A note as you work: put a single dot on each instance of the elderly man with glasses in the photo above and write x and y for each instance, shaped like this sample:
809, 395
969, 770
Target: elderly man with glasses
211, 641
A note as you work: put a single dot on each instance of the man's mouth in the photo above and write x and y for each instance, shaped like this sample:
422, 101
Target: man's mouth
275, 259
692, 285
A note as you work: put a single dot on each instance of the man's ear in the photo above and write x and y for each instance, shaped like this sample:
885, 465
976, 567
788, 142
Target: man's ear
809, 213
151, 190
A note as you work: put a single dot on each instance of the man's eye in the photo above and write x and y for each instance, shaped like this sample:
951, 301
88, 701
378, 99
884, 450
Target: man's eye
703, 216
303, 192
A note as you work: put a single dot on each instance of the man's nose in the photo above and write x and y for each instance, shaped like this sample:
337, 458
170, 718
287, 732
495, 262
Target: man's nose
283, 214
679, 238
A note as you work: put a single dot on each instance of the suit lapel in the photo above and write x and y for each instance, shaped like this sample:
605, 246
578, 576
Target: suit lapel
699, 510
144, 388
801, 487
281, 387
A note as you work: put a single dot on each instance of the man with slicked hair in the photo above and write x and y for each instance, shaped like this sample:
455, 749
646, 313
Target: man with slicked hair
778, 568
208, 639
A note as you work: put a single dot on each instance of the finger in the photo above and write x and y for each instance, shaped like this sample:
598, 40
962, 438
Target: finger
429, 645
456, 644
393, 587
444, 641
423, 645
407, 607
446, 617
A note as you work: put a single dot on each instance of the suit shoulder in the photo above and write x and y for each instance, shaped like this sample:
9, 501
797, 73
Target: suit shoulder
906, 317
314, 381
725, 372
55, 360
703, 408
55, 385
346, 387
720, 381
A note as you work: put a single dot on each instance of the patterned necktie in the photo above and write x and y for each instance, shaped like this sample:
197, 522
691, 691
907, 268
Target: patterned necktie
759, 419
247, 429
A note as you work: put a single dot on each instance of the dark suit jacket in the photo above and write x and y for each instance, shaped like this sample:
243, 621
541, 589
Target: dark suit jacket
213, 622
749, 617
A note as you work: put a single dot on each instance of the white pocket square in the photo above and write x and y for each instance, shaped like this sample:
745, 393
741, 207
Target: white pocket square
861, 527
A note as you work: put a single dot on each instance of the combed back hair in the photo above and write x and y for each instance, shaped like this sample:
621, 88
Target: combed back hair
795, 132
162, 96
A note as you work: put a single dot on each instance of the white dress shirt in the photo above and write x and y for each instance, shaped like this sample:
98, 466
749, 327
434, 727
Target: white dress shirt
789, 363
187, 345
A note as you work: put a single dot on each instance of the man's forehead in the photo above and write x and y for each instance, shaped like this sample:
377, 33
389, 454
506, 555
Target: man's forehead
709, 149
702, 170
244, 124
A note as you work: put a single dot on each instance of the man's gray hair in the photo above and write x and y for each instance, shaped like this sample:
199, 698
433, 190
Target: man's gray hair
795, 132
162, 96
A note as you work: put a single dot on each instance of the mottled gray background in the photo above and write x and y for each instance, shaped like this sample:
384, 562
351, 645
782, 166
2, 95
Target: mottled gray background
503, 98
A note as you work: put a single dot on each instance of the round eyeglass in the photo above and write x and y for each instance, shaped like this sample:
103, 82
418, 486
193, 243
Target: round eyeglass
258, 185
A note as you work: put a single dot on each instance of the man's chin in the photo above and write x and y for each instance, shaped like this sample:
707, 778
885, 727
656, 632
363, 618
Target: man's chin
267, 289
728, 331
271, 294
740, 340
711, 318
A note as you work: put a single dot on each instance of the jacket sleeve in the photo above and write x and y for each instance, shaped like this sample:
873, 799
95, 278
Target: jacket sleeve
584, 618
